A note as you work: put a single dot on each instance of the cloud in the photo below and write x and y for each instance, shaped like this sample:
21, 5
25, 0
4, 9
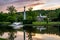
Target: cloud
36, 4
49, 4
18, 3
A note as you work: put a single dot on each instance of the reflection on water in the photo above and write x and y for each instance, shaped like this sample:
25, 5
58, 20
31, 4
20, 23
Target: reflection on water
37, 37
48, 36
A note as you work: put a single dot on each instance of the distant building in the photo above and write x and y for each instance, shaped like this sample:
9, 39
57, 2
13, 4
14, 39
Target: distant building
41, 18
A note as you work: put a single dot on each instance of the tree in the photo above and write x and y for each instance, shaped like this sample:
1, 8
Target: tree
20, 17
11, 19
52, 15
11, 9
31, 15
12, 14
58, 17
3, 17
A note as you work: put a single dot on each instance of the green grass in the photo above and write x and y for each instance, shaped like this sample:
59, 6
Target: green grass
45, 23
36, 23
2, 39
5, 23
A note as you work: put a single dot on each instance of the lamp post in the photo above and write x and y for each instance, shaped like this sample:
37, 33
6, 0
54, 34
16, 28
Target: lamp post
24, 20
24, 13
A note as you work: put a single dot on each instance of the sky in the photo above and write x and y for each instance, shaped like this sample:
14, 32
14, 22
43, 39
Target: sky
35, 4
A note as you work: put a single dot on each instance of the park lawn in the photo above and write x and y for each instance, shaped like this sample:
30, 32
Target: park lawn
36, 23
45, 23
5, 23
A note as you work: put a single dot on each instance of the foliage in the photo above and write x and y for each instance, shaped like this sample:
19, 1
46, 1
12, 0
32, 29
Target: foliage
3, 17
11, 19
31, 15
20, 17
11, 9
53, 15
2, 39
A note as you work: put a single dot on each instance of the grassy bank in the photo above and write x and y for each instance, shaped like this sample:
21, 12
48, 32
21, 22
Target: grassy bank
2, 39
45, 23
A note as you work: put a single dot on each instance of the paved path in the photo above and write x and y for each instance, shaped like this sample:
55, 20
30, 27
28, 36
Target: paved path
37, 37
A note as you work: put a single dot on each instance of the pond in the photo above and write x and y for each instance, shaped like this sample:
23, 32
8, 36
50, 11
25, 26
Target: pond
36, 37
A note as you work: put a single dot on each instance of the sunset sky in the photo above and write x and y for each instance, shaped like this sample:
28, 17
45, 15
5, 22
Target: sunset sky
35, 4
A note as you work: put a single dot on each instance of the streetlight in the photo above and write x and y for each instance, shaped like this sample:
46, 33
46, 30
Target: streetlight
24, 20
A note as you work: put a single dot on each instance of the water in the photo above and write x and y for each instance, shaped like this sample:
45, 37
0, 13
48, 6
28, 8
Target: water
36, 37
